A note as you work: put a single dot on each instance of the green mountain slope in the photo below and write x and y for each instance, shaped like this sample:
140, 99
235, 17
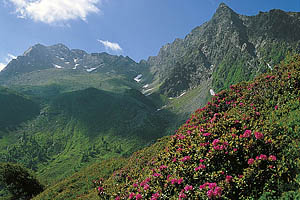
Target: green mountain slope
242, 144
81, 185
79, 127
15, 109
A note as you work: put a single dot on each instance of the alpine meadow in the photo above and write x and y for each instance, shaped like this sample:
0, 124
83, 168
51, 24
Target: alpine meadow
214, 115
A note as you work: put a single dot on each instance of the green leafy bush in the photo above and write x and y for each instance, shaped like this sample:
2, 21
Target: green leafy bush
19, 181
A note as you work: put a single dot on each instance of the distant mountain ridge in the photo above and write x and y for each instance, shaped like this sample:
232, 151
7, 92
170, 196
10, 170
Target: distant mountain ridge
60, 57
227, 49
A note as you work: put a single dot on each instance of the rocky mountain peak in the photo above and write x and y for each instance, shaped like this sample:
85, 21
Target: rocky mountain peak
59, 46
34, 49
224, 11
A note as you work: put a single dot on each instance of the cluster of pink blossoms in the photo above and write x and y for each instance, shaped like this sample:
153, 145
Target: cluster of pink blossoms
259, 135
246, 134
261, 157
185, 158
214, 190
178, 181
155, 196
201, 166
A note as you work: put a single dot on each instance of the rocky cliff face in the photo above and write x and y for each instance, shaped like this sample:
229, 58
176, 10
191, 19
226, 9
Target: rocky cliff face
227, 49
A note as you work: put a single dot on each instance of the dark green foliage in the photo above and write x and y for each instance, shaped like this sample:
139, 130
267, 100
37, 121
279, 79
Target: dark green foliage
19, 181
15, 109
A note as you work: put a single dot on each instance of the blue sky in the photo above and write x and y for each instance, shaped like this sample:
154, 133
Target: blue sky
134, 28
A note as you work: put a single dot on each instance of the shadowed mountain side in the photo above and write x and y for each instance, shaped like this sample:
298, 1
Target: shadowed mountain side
15, 109
129, 113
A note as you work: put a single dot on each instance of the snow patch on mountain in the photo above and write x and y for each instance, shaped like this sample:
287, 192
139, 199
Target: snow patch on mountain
138, 78
91, 69
57, 66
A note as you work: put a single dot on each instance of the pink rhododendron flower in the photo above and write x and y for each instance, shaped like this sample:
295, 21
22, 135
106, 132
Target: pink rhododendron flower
180, 137
217, 192
156, 174
263, 157
173, 181
247, 133
188, 188
142, 184
138, 197
212, 185
131, 195
250, 161
100, 189
185, 158
228, 179
215, 142
210, 194
201, 166
217, 148
146, 187
276, 107
182, 195
179, 181
135, 185
272, 158
201, 187
179, 149
206, 134
155, 196
258, 135
118, 198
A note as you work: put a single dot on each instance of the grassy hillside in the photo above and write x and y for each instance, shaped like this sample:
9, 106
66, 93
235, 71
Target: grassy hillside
243, 144
81, 185
77, 128
50, 82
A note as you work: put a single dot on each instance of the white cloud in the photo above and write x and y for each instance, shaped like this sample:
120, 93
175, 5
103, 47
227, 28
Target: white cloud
55, 11
111, 45
6, 61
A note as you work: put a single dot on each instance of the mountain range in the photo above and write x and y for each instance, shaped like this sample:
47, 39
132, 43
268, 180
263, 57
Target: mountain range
64, 109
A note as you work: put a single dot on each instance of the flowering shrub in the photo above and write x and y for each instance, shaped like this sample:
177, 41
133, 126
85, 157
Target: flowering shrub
244, 143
